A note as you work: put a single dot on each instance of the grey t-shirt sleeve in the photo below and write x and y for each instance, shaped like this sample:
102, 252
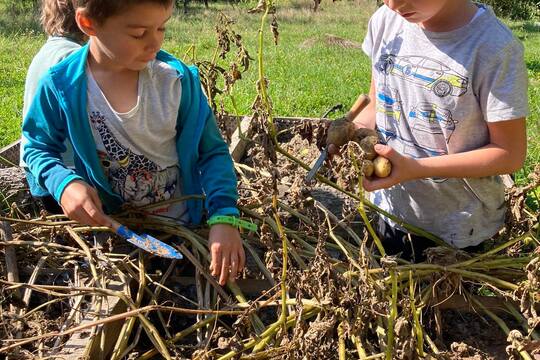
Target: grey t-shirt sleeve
367, 45
503, 86
374, 27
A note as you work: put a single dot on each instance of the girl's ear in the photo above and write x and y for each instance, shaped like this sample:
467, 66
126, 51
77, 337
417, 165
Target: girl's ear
86, 24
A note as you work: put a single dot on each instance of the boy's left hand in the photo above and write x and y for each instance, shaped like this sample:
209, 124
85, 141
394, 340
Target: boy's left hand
228, 257
403, 169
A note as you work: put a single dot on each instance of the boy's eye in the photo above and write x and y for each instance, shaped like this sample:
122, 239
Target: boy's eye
143, 34
138, 36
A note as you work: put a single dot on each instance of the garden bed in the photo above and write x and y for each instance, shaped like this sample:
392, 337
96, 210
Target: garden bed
71, 290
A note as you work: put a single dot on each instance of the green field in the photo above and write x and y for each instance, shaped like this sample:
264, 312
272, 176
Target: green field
307, 74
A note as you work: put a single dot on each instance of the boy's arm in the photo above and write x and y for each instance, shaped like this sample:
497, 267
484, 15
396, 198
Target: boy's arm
366, 118
218, 180
217, 170
219, 184
503, 155
44, 127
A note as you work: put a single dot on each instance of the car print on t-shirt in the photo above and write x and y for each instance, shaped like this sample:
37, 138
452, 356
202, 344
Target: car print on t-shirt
432, 126
425, 132
425, 72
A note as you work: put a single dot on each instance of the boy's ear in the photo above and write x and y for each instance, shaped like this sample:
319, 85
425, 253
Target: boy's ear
86, 24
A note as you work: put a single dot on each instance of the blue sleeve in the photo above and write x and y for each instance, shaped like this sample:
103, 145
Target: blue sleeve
45, 128
216, 166
217, 171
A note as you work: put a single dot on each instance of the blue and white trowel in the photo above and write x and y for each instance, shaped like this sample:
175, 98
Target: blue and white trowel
146, 242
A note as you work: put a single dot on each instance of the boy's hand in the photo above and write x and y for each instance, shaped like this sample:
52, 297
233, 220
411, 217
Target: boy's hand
228, 257
403, 169
81, 203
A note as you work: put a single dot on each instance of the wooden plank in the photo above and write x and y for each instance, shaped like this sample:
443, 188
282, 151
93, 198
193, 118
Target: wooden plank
9, 155
507, 181
459, 303
6, 235
79, 345
238, 144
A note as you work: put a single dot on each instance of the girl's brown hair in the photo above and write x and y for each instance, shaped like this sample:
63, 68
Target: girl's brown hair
100, 10
58, 19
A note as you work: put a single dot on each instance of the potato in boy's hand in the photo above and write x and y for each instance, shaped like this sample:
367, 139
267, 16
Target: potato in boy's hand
373, 163
367, 145
367, 168
382, 167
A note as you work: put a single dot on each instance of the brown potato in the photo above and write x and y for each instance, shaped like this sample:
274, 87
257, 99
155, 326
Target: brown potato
367, 145
382, 166
340, 132
361, 133
367, 168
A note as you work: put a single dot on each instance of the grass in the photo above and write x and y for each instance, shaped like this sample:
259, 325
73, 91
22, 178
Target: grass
307, 76
529, 34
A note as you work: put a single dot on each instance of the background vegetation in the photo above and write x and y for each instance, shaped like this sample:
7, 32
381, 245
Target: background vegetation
308, 73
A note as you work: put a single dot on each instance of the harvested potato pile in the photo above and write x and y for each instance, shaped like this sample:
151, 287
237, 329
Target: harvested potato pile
342, 131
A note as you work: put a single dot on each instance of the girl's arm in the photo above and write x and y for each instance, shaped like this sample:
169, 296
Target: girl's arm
505, 154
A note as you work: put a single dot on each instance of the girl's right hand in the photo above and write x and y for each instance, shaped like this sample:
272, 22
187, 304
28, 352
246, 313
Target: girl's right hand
81, 203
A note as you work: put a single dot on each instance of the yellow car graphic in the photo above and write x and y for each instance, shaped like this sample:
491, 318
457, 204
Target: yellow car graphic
425, 72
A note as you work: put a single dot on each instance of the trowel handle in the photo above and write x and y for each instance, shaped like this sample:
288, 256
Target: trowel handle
121, 230
359, 105
124, 231
115, 225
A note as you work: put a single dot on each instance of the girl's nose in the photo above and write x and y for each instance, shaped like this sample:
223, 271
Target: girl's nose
154, 42
395, 5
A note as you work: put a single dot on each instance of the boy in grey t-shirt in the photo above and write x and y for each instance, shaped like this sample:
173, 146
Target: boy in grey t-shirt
449, 91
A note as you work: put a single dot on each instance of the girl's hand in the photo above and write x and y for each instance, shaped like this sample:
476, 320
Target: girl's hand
403, 169
81, 203
228, 257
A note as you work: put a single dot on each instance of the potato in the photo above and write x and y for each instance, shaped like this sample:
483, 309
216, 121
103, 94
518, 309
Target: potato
382, 166
367, 168
340, 132
367, 145
361, 133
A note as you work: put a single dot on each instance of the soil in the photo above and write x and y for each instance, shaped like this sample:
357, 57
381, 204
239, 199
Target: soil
473, 336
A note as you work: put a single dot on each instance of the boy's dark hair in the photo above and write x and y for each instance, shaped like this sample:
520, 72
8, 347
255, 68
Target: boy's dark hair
58, 19
100, 10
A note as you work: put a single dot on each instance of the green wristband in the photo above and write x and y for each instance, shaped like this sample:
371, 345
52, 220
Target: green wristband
233, 221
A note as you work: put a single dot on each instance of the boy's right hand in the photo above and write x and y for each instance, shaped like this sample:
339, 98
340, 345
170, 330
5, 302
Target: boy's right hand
81, 203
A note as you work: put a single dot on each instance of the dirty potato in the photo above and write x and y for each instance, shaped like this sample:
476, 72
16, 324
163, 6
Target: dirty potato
367, 145
382, 167
367, 168
340, 132
361, 133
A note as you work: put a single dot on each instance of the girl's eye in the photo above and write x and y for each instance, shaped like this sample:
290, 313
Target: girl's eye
138, 36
